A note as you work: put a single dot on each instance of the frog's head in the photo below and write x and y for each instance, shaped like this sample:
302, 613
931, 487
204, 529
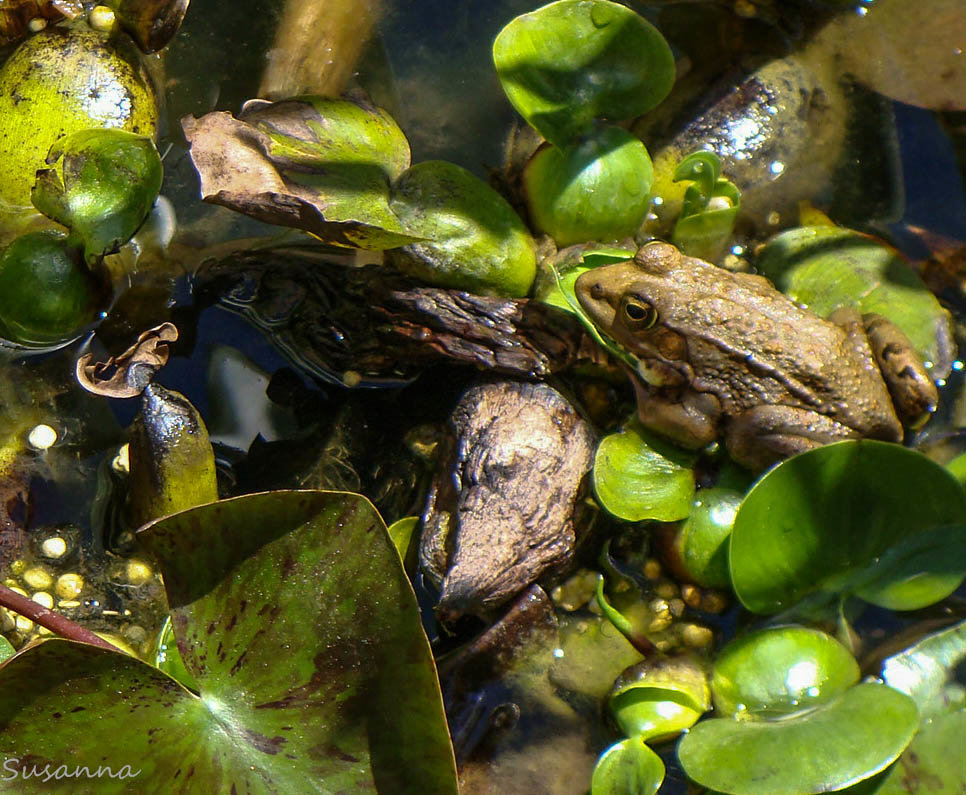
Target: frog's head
630, 301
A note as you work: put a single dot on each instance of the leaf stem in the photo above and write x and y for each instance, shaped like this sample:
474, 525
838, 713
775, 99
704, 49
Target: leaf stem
48, 618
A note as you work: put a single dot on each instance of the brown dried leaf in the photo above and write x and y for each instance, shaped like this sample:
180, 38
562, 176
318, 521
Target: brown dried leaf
129, 373
317, 164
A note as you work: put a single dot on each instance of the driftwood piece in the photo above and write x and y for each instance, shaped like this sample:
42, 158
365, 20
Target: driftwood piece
499, 514
370, 326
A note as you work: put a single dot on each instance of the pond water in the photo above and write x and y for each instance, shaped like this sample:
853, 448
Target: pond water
895, 170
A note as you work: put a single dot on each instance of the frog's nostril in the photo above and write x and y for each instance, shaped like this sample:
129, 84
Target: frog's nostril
596, 290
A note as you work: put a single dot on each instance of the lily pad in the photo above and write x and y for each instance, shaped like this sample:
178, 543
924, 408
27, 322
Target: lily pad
472, 238
317, 164
638, 475
826, 267
833, 746
101, 186
816, 520
572, 61
628, 766
296, 620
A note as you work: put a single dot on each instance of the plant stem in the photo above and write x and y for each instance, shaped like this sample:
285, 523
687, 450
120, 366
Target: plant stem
49, 619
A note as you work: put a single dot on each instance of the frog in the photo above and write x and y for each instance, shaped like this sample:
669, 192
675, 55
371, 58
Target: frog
725, 355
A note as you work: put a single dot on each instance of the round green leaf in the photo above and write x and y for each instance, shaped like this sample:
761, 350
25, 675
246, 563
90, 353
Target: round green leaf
818, 518
780, 670
575, 60
826, 267
833, 746
475, 241
47, 293
702, 541
597, 190
104, 188
299, 626
639, 476
628, 766
59, 81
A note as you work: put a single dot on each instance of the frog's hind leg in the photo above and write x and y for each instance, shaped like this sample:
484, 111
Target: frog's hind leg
764, 435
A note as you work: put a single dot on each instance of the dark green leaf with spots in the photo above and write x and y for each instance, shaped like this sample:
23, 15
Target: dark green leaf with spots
296, 621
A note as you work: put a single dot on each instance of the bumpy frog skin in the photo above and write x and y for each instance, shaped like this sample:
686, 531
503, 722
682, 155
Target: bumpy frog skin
726, 354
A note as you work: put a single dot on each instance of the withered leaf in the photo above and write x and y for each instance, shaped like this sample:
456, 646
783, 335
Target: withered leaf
317, 164
129, 373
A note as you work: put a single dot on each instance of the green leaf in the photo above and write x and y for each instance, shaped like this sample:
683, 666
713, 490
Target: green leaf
572, 61
926, 671
597, 189
833, 746
6, 650
702, 540
47, 293
826, 267
780, 670
318, 164
299, 627
918, 571
816, 520
105, 186
637, 475
168, 658
628, 766
472, 238
934, 762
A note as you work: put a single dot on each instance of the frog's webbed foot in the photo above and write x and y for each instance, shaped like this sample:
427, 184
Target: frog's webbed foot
765, 435
912, 389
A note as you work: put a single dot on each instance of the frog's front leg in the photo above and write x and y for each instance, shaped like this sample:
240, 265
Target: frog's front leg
912, 390
765, 435
689, 418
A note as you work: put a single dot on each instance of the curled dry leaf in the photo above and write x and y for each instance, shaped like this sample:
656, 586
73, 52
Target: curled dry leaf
318, 164
127, 375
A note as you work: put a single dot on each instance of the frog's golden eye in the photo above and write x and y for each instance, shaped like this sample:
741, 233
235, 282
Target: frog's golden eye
638, 314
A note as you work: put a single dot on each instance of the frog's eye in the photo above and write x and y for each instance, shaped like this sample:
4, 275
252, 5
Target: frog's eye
638, 314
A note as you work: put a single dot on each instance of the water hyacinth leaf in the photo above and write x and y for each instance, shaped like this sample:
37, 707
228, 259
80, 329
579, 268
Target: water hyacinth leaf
660, 697
598, 189
917, 571
817, 519
934, 762
317, 164
47, 293
6, 650
827, 267
709, 210
472, 239
628, 766
835, 745
101, 185
701, 544
638, 476
926, 670
572, 61
780, 670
